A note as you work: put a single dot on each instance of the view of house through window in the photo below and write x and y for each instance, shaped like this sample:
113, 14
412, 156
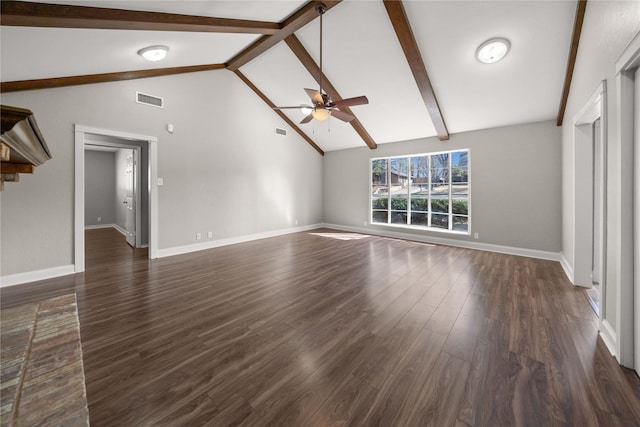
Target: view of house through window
424, 190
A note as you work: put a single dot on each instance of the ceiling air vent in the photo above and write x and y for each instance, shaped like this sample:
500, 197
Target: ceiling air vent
155, 101
281, 131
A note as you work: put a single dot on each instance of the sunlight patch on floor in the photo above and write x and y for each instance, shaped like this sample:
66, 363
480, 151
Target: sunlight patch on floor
342, 236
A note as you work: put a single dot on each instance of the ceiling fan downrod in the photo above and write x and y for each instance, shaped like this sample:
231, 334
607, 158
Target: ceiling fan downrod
321, 8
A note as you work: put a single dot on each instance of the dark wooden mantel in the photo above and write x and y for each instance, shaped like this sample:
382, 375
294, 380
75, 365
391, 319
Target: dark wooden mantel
22, 146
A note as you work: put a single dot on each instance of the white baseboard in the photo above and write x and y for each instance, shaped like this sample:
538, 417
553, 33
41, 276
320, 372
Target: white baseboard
608, 335
509, 250
179, 250
33, 276
120, 229
94, 227
568, 270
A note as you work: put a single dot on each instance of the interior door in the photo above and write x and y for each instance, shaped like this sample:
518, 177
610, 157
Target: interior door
130, 199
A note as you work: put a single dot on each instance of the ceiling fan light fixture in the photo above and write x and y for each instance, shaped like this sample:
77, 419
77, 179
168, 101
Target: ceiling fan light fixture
493, 50
306, 110
320, 114
154, 53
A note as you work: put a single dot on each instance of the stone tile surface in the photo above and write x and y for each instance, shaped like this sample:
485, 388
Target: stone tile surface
41, 372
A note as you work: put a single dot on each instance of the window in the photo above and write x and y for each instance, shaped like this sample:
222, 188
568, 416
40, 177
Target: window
424, 190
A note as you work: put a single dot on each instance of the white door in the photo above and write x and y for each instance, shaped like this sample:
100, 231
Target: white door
130, 199
636, 220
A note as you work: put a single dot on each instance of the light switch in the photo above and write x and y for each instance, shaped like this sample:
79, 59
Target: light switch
160, 181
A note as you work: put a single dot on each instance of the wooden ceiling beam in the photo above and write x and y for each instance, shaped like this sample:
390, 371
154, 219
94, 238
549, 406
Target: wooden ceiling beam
28, 14
15, 86
299, 19
571, 61
400, 22
278, 112
303, 56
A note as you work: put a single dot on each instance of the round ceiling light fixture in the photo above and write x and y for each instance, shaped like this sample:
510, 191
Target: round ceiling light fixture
493, 50
154, 53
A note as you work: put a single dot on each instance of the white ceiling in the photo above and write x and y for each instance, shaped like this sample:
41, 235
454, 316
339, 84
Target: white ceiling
362, 56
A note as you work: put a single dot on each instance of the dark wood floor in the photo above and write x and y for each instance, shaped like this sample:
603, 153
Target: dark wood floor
329, 328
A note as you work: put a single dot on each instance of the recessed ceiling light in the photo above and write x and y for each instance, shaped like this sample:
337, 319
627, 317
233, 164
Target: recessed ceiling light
154, 53
493, 50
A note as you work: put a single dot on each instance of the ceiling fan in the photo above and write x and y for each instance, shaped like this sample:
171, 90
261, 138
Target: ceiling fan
322, 105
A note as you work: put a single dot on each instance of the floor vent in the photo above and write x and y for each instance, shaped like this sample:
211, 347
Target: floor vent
154, 101
281, 131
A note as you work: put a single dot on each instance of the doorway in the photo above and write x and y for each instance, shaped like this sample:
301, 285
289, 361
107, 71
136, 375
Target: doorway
88, 135
590, 201
125, 168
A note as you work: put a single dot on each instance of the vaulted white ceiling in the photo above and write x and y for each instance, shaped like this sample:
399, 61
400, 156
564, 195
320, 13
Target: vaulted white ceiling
362, 56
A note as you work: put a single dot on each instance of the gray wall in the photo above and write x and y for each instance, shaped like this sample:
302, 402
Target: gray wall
608, 28
515, 184
99, 187
225, 169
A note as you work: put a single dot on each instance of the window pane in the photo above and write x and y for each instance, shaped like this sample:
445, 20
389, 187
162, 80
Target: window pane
381, 202
398, 217
460, 223
440, 221
399, 177
379, 172
419, 203
418, 218
439, 205
460, 206
420, 175
379, 216
399, 203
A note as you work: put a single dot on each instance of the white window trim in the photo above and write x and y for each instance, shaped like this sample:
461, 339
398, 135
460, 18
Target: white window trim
450, 213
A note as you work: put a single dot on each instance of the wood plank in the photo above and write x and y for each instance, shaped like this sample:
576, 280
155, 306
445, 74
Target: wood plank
279, 112
9, 177
5, 152
401, 25
303, 56
297, 20
20, 85
235, 335
29, 14
581, 7
16, 168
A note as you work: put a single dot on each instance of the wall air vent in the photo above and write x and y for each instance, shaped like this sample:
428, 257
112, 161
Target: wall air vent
281, 131
154, 101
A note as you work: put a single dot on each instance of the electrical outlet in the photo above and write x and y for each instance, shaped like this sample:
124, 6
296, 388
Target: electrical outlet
476, 235
198, 236
99, 219
296, 222
210, 235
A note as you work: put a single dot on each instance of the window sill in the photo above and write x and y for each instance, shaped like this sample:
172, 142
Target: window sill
420, 228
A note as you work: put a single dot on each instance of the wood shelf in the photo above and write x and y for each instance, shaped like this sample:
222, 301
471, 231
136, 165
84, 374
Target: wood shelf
22, 146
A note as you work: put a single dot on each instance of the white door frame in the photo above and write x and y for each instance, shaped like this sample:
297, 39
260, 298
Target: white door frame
625, 66
584, 157
80, 140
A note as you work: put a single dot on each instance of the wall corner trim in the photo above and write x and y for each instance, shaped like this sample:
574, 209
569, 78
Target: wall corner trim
609, 337
566, 266
33, 276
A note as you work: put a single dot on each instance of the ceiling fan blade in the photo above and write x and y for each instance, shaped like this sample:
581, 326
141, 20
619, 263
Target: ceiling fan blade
297, 107
341, 115
358, 100
315, 96
307, 119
